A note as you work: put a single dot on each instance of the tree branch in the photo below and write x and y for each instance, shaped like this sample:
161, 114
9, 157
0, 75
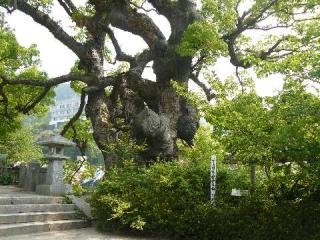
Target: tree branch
81, 145
141, 61
121, 56
140, 24
65, 7
80, 165
234, 58
164, 7
47, 83
240, 80
209, 94
143, 8
253, 20
52, 26
248, 20
267, 53
29, 106
71, 5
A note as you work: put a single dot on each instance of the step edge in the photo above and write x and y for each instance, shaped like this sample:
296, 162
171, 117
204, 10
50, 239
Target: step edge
17, 225
34, 213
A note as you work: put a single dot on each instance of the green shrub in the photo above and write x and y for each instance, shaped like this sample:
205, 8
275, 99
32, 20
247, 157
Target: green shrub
7, 179
172, 199
140, 198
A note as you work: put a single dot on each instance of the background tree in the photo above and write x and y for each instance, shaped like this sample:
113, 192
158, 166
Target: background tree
198, 37
20, 146
18, 62
278, 133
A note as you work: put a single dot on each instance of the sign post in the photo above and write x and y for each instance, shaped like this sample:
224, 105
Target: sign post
213, 177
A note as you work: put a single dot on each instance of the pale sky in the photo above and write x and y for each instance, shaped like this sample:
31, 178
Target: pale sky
56, 59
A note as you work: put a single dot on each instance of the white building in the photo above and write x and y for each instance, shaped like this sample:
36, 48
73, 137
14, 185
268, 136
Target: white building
63, 110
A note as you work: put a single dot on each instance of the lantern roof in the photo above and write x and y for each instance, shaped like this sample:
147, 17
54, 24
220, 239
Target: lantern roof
56, 140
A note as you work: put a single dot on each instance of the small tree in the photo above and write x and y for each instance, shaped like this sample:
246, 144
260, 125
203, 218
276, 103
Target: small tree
262, 131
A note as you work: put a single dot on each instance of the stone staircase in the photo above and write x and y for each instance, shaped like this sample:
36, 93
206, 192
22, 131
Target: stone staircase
22, 213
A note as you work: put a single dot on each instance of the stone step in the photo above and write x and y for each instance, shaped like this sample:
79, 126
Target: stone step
25, 208
36, 227
12, 218
30, 200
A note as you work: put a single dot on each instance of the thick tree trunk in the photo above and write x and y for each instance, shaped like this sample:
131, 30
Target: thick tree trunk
173, 117
97, 111
161, 124
157, 114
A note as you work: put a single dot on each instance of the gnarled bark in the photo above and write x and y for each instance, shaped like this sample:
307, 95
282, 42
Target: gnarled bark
97, 111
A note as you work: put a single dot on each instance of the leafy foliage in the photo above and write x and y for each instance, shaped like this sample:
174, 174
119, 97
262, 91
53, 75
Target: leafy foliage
202, 35
282, 128
145, 198
7, 179
172, 199
20, 146
20, 63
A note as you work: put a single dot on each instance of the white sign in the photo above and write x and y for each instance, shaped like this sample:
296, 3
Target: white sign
82, 158
239, 193
233, 167
235, 192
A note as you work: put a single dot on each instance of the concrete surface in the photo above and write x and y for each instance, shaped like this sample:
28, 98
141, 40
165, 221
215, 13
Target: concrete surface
36, 217
10, 190
82, 205
25, 213
16, 195
78, 234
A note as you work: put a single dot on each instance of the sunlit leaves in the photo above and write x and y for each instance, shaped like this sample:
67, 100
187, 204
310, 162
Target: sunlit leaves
201, 36
17, 62
82, 13
295, 114
252, 30
14, 57
77, 86
82, 132
220, 13
282, 128
20, 146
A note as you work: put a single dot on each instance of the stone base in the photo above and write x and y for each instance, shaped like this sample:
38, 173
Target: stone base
51, 190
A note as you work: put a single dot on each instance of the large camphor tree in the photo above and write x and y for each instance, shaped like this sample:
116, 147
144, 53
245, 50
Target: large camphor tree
201, 32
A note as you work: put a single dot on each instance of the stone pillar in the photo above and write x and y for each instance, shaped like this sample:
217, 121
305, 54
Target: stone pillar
43, 175
55, 176
31, 176
54, 179
22, 174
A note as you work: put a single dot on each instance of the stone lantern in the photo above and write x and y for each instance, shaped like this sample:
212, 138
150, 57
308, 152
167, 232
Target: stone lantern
55, 174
